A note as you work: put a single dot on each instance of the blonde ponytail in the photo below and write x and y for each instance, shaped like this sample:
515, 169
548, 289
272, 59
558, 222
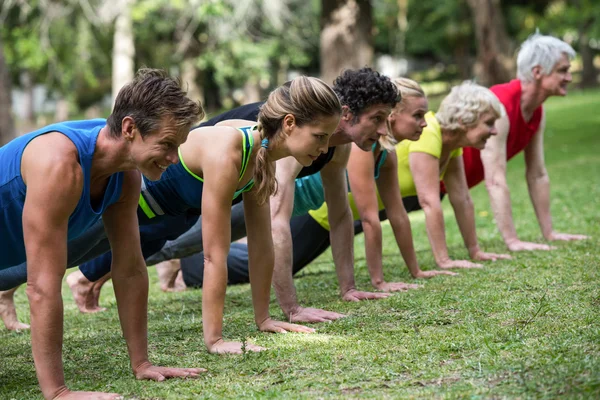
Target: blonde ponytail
308, 100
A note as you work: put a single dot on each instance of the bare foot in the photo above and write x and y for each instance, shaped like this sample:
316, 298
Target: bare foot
170, 277
85, 293
8, 311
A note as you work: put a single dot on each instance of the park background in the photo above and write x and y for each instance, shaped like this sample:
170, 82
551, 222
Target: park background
526, 328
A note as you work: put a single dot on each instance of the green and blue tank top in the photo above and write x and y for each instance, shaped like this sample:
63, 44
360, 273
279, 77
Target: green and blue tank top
83, 134
179, 189
309, 195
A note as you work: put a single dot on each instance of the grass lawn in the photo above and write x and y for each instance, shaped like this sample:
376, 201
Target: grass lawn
526, 328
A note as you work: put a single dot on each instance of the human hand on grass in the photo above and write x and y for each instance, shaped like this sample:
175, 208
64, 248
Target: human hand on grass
270, 325
446, 264
565, 236
483, 256
396, 286
223, 347
430, 274
313, 315
66, 394
151, 372
357, 295
518, 245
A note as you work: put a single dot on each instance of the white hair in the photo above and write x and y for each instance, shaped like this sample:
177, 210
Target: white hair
465, 104
543, 51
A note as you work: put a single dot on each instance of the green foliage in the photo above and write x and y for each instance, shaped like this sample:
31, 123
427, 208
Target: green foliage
525, 328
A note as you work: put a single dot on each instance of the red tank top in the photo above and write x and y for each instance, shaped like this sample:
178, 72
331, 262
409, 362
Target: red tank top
519, 135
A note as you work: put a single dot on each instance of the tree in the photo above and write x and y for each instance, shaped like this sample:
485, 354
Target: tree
7, 127
123, 48
346, 36
494, 50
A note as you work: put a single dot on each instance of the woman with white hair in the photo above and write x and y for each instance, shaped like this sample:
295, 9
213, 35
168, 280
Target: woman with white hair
543, 65
465, 118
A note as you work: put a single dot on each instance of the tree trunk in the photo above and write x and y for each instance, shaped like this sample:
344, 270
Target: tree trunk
189, 76
346, 36
402, 21
494, 59
7, 124
589, 75
28, 101
62, 110
251, 91
123, 49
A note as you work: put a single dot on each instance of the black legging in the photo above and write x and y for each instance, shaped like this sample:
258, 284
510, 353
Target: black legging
309, 239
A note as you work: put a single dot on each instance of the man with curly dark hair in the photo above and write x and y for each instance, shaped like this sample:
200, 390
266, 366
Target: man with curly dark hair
367, 98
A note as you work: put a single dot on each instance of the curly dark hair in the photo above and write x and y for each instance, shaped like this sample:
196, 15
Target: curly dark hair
361, 88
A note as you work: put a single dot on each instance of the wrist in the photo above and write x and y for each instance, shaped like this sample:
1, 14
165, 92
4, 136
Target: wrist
377, 282
548, 235
140, 365
347, 289
291, 309
415, 273
260, 321
441, 260
474, 251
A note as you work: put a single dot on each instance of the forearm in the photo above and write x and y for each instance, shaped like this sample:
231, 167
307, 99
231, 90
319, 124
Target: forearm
373, 250
131, 292
46, 307
342, 248
213, 300
283, 281
539, 192
501, 206
434, 222
261, 271
465, 217
403, 234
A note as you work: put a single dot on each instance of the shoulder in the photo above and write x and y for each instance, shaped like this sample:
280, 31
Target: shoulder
61, 163
509, 93
214, 142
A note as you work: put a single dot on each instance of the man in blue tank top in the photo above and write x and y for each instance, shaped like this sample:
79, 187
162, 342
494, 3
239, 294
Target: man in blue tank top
56, 182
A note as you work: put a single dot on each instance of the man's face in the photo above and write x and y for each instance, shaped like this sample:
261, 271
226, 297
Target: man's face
556, 82
366, 129
155, 152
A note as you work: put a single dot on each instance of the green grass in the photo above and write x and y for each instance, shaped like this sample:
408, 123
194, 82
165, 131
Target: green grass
526, 328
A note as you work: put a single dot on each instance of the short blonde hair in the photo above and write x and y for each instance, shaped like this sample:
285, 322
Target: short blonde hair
465, 104
406, 88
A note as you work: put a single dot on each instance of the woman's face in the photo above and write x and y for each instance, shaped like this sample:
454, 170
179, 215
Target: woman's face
478, 134
306, 143
407, 120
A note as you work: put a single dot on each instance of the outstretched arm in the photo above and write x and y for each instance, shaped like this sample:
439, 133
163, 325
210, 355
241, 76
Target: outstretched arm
260, 263
342, 225
54, 185
538, 184
493, 157
220, 181
130, 280
425, 171
458, 192
282, 205
391, 196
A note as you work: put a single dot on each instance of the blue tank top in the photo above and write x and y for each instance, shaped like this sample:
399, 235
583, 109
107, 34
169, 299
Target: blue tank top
179, 189
12, 188
309, 194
